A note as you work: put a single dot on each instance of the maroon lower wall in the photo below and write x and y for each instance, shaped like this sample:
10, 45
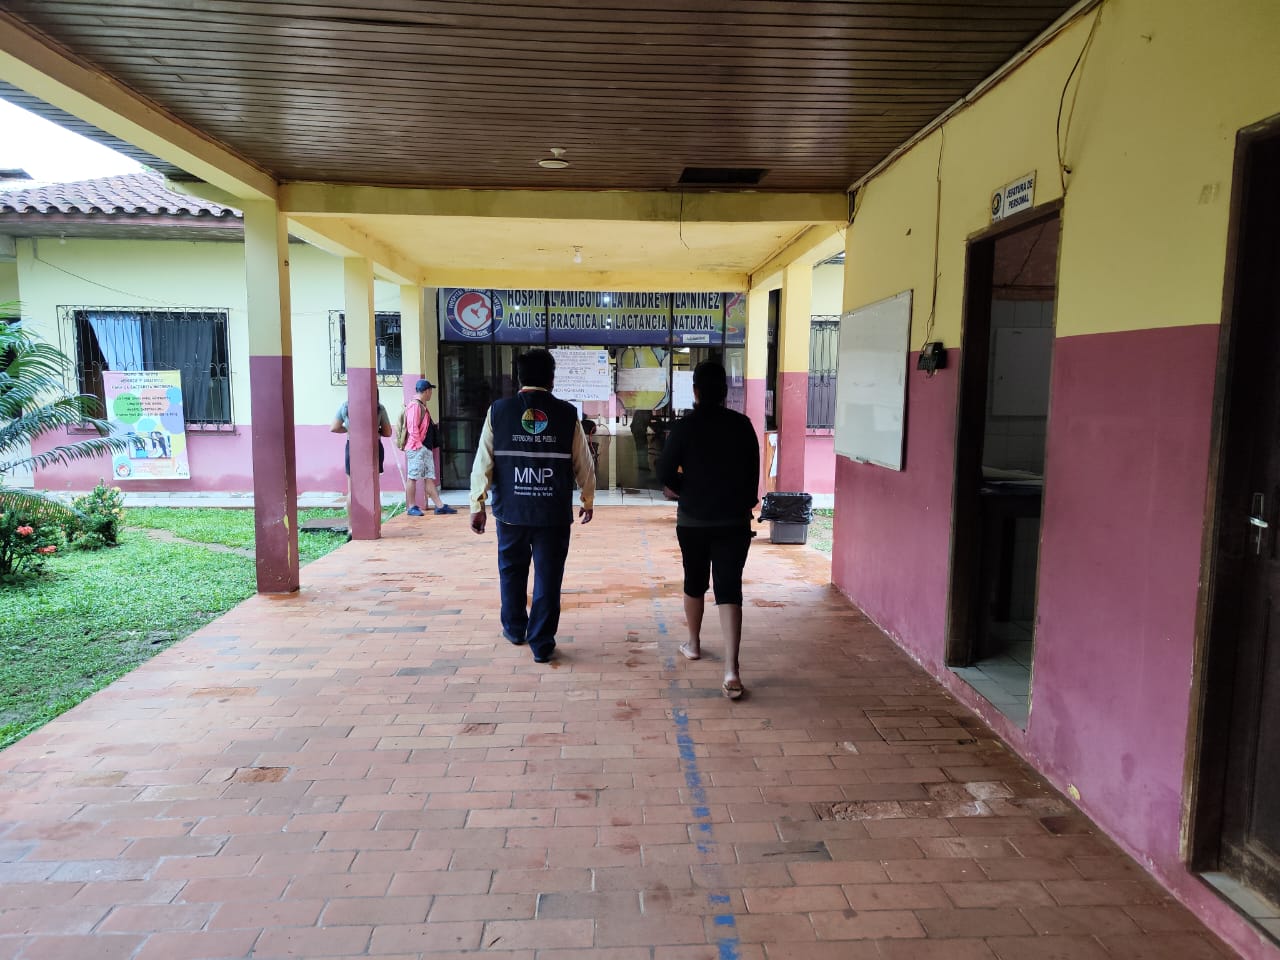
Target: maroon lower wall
1127, 459
893, 529
1125, 494
1129, 436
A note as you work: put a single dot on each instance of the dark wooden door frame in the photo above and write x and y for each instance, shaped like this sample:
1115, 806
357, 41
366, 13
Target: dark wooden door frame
970, 424
965, 559
1209, 717
975, 332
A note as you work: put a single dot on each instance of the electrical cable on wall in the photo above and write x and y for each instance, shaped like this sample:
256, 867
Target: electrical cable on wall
937, 245
1064, 135
168, 303
35, 255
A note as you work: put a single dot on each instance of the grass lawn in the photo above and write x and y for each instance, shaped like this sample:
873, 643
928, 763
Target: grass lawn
231, 527
820, 530
93, 617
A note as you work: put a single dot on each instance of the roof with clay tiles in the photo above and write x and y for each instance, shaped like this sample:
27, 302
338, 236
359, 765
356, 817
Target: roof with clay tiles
129, 195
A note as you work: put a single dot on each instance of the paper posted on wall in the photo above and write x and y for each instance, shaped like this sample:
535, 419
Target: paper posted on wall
146, 407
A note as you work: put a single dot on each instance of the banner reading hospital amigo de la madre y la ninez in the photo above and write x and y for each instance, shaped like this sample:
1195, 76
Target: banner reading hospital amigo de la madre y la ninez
593, 318
146, 407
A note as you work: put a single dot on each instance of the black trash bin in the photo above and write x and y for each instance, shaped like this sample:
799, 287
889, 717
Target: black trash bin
789, 516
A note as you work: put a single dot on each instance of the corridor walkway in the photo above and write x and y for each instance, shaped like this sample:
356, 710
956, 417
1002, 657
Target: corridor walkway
368, 769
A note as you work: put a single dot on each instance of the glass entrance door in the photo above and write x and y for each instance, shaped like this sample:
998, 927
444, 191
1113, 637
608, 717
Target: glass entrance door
472, 376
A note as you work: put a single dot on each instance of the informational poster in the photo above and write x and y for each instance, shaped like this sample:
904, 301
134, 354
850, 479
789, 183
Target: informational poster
146, 407
583, 374
644, 379
682, 389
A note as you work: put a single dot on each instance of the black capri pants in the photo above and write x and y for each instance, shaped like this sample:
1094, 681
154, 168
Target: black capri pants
715, 554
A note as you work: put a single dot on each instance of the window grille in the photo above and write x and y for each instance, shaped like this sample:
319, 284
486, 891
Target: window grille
824, 346
386, 345
193, 342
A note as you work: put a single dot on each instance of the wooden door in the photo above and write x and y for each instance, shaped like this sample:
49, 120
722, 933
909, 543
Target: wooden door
1250, 539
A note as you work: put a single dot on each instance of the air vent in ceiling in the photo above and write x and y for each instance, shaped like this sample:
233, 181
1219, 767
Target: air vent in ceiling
721, 176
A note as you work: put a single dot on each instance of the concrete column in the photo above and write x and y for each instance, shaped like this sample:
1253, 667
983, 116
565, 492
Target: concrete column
431, 343
275, 480
431, 359
420, 344
411, 353
793, 374
757, 364
411, 339
364, 506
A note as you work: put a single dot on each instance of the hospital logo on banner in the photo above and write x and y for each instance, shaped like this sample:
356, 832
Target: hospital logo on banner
473, 314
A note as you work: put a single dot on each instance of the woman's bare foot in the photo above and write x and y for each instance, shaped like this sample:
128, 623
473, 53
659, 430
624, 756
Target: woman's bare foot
733, 688
690, 652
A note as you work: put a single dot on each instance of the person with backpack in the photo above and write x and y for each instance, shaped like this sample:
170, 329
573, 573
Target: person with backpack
419, 437
341, 424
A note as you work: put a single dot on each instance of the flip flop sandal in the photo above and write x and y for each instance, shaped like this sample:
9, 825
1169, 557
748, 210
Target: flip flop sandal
684, 652
733, 691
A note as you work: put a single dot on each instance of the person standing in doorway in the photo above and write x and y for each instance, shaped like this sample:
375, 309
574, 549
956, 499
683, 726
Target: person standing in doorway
532, 450
711, 465
422, 441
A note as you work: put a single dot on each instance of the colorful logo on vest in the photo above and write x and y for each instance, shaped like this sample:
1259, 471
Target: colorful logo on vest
473, 314
533, 421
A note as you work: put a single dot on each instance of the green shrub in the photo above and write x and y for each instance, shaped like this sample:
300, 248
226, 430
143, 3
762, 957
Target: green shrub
25, 542
99, 514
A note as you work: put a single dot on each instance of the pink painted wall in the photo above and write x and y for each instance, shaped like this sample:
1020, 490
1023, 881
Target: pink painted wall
222, 463
1125, 488
820, 462
1125, 495
892, 529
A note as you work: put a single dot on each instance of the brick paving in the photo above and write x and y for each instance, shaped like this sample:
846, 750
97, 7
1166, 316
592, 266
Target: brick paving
368, 769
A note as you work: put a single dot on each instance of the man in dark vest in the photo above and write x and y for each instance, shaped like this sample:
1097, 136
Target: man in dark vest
532, 449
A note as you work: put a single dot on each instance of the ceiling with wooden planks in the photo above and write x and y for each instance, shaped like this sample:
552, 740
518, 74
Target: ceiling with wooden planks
462, 93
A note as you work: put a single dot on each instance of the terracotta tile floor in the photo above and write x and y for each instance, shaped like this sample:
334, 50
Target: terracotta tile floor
368, 769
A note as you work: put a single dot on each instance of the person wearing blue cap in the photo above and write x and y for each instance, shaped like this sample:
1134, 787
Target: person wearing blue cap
422, 440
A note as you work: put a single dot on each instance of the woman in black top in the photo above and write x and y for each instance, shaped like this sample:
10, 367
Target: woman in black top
711, 464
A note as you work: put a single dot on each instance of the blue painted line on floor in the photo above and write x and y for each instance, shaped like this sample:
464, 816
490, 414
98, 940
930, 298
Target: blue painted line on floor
727, 945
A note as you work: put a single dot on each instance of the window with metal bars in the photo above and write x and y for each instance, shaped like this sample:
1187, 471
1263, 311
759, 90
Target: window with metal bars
824, 346
193, 342
386, 346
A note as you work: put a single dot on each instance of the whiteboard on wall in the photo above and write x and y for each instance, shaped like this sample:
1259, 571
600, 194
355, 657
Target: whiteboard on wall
871, 381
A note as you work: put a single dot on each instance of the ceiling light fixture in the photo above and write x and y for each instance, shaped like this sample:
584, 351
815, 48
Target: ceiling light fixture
577, 254
555, 161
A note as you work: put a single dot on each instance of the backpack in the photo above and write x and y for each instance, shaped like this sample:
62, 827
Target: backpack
402, 426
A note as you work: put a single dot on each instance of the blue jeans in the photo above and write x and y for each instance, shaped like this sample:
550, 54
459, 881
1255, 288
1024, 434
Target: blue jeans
547, 547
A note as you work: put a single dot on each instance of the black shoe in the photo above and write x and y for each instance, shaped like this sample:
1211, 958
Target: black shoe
511, 638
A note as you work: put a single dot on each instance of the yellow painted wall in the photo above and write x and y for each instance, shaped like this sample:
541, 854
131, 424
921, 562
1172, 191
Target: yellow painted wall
828, 289
177, 275
1162, 93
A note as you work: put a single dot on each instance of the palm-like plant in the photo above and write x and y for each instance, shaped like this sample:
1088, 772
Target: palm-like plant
34, 401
